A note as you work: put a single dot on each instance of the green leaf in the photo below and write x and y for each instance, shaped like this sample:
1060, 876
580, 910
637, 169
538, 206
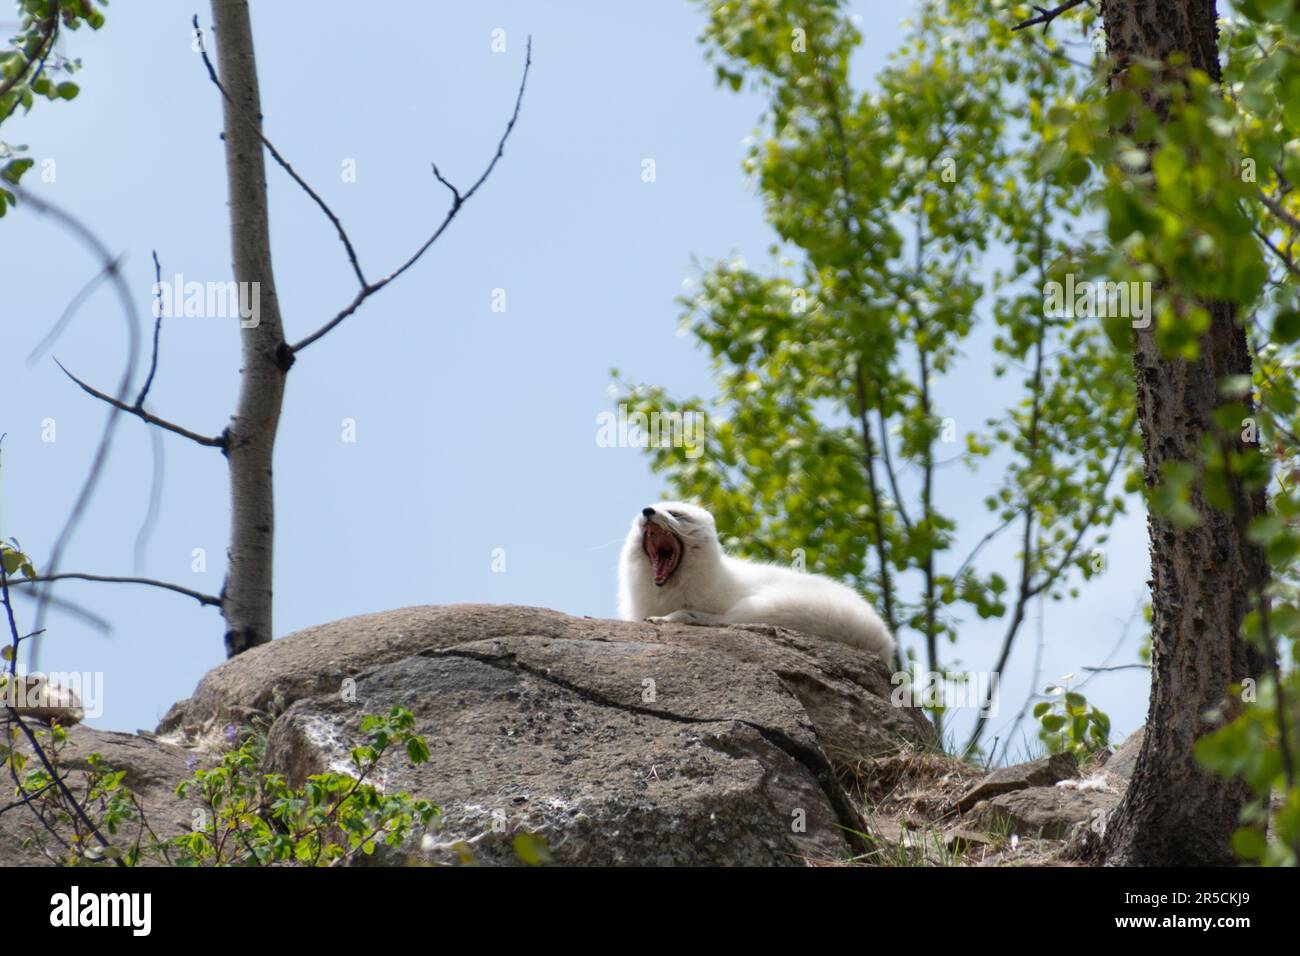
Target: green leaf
531, 848
1286, 327
1248, 843
417, 750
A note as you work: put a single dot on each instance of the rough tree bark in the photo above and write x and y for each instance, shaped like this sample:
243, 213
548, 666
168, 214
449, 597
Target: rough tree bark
250, 445
1202, 577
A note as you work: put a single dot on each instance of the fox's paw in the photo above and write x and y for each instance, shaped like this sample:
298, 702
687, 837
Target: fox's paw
681, 617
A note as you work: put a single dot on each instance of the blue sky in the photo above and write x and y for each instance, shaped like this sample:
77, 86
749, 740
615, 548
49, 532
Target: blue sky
475, 429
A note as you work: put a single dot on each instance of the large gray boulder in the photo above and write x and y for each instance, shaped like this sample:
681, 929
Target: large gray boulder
614, 742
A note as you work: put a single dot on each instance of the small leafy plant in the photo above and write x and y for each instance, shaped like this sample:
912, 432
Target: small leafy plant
245, 818
1069, 724
76, 825
254, 819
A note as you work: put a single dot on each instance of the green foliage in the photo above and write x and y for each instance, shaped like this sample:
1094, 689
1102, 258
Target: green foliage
256, 819
531, 848
1248, 747
1069, 724
30, 67
247, 817
15, 561
887, 204
101, 804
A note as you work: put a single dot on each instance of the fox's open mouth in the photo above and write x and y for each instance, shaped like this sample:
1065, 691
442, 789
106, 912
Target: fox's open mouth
665, 551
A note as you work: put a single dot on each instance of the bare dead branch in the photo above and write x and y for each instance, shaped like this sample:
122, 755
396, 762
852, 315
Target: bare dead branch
455, 193
140, 413
156, 446
157, 330
208, 600
458, 200
1045, 17
284, 163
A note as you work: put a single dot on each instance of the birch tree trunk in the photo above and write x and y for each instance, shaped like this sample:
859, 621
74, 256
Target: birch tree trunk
246, 596
1201, 577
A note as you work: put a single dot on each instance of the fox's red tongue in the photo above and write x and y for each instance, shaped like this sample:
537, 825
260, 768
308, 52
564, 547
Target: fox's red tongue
661, 562
664, 551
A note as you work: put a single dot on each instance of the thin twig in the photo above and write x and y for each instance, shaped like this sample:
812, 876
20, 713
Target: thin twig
158, 454
157, 330
1120, 454
877, 513
1045, 17
13, 715
90, 618
71, 310
156, 445
1123, 639
91, 241
458, 200
1024, 707
26, 798
284, 163
210, 600
1276, 250
889, 467
1277, 209
982, 542
140, 413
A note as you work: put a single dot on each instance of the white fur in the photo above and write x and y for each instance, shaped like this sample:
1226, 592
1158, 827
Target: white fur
711, 587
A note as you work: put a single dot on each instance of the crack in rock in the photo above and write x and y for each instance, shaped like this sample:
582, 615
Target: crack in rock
810, 758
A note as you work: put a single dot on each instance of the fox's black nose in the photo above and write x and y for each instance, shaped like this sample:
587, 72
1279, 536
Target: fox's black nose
647, 512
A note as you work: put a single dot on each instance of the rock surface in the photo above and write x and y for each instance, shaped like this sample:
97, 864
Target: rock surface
1052, 798
1121, 764
1037, 773
615, 742
1046, 812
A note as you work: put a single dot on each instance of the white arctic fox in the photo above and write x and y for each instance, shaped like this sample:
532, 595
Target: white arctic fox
673, 569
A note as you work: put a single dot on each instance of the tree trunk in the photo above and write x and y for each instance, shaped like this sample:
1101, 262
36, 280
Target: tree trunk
246, 597
1202, 577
